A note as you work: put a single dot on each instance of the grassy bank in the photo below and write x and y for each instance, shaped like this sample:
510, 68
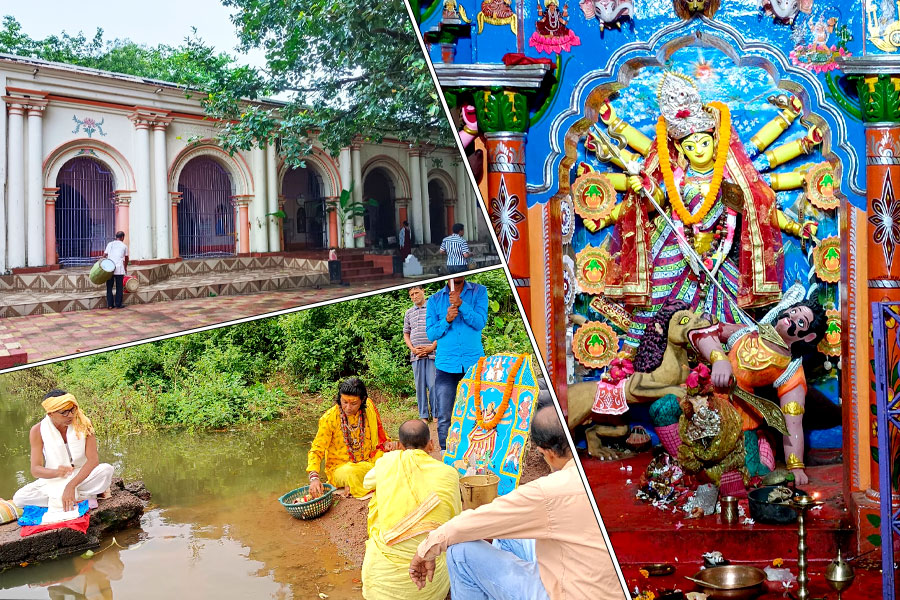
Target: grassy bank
263, 370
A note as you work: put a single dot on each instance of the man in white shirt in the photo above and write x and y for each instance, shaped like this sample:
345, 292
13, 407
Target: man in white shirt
117, 252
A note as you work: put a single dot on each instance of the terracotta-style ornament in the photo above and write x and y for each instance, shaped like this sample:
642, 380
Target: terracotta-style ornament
595, 344
551, 34
593, 195
591, 268
688, 9
570, 284
610, 13
831, 343
827, 260
497, 12
567, 220
820, 187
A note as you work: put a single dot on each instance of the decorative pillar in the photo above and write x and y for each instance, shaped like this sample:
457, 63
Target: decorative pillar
281, 202
242, 206
506, 187
501, 98
331, 203
35, 211
141, 223
346, 167
877, 81
175, 200
260, 227
272, 198
50, 195
402, 211
356, 164
161, 188
462, 200
415, 174
449, 203
426, 202
16, 183
123, 216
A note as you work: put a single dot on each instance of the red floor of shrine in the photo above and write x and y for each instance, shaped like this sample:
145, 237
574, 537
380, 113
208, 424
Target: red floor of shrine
642, 534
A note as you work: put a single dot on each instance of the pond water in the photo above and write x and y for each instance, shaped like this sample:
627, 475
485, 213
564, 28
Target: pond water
214, 528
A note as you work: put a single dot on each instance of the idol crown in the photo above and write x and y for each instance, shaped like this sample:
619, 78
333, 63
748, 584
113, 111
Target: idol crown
681, 106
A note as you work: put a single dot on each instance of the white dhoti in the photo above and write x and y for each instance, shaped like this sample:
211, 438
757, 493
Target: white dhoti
37, 493
60, 452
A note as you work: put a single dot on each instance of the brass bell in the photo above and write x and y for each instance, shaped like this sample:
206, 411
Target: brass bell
839, 574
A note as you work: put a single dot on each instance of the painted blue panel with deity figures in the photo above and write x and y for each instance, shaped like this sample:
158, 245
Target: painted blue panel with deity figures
500, 448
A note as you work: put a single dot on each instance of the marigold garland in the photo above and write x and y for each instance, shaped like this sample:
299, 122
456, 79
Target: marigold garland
507, 394
665, 164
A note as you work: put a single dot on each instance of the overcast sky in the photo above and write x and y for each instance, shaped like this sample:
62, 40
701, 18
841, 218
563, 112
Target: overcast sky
148, 22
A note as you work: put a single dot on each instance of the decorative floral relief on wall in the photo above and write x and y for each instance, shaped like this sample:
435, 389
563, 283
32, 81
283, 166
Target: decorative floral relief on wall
89, 125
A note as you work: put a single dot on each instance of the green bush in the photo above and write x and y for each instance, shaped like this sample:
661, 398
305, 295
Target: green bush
232, 375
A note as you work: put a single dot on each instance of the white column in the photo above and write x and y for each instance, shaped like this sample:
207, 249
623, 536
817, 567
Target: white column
426, 202
259, 228
272, 198
161, 200
355, 161
462, 199
34, 211
415, 204
3, 191
141, 213
346, 168
16, 185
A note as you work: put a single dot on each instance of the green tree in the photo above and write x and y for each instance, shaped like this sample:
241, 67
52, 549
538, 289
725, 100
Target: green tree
353, 70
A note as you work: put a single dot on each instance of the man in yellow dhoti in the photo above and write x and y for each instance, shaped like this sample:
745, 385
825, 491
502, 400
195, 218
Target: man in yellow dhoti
63, 459
350, 438
414, 494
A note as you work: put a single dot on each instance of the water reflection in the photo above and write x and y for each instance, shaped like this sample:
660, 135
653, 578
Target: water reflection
214, 530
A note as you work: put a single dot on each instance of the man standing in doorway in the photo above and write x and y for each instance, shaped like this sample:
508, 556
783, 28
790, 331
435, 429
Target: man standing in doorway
404, 237
421, 352
117, 252
456, 315
457, 250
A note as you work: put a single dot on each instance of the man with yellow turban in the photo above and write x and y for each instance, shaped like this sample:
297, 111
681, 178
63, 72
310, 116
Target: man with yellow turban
350, 438
414, 494
63, 458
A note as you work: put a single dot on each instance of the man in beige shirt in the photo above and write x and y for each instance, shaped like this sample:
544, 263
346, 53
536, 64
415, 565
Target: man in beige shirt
570, 559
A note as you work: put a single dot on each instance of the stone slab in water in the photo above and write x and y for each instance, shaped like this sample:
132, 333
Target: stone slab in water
122, 510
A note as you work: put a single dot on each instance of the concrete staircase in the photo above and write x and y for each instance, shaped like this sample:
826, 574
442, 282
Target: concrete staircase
362, 265
67, 290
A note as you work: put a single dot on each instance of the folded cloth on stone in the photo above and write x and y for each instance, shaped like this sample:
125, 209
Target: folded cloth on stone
41, 515
80, 524
9, 512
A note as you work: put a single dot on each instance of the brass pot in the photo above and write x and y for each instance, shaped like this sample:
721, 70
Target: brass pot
731, 582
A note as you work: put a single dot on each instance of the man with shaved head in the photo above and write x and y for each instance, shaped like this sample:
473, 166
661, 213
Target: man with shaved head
414, 494
546, 541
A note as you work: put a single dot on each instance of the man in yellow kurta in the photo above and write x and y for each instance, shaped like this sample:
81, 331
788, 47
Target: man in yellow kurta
350, 438
414, 494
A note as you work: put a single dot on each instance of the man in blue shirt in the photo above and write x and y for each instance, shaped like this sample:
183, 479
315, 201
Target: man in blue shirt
455, 317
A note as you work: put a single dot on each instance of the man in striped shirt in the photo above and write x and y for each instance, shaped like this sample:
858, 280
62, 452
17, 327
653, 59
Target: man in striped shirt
421, 352
457, 250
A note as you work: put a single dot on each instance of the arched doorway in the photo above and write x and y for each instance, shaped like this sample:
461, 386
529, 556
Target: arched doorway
85, 211
305, 222
380, 219
205, 213
437, 211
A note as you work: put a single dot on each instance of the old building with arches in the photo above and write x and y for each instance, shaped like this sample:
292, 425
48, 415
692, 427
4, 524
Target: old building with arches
89, 152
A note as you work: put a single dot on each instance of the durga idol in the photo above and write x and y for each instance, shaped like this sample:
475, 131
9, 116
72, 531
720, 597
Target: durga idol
722, 211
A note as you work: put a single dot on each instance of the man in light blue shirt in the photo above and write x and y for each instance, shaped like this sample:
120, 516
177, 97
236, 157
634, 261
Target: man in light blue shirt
455, 317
